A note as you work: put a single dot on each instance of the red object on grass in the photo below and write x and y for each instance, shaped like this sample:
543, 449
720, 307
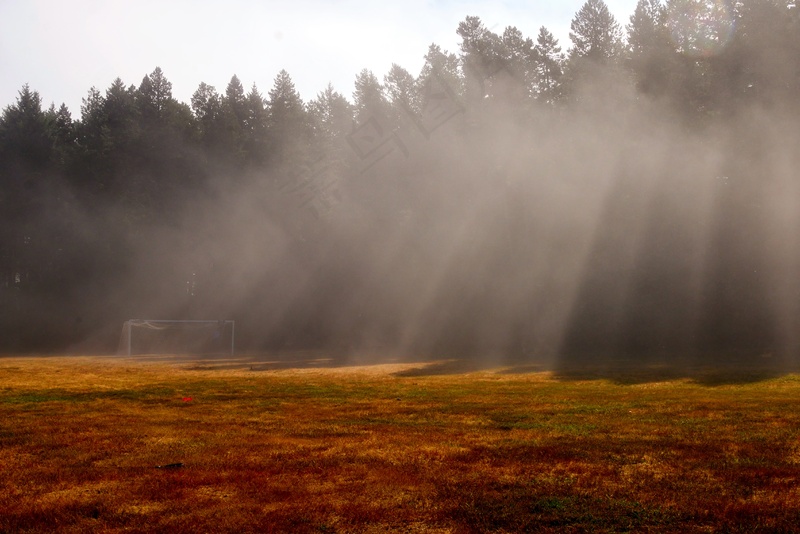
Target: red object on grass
187, 399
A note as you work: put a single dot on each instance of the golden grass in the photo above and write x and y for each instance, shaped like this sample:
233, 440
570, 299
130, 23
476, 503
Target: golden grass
388, 448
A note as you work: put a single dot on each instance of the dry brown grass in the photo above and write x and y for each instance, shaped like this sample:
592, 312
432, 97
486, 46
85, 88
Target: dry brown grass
403, 448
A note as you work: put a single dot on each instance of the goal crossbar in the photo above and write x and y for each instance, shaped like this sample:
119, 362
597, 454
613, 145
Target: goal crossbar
161, 324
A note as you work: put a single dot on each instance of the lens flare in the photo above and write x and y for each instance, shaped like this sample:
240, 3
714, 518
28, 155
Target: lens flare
701, 28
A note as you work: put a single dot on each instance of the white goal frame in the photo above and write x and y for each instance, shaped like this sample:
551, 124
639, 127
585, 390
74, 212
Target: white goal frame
130, 323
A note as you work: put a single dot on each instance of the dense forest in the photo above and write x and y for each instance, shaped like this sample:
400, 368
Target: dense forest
636, 193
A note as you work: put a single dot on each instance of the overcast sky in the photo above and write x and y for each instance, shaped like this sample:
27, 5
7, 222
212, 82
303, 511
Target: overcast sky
62, 48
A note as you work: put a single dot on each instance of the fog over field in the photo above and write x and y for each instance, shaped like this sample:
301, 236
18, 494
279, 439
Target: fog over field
634, 201
614, 230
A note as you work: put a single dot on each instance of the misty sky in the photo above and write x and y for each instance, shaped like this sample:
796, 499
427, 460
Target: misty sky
64, 47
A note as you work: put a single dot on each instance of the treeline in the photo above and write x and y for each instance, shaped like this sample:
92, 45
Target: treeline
513, 197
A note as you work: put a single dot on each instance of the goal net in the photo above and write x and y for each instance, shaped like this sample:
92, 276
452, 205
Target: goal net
177, 337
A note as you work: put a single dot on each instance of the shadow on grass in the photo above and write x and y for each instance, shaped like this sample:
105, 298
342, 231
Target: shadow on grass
622, 372
524, 369
714, 377
703, 369
713, 370
441, 368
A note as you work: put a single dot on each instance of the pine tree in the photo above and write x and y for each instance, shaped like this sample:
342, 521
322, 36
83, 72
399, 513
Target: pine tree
647, 28
401, 89
27, 158
482, 56
289, 130
369, 98
64, 134
520, 59
444, 65
26, 139
651, 55
595, 58
234, 116
207, 108
119, 105
255, 127
331, 116
235, 100
154, 95
548, 68
595, 34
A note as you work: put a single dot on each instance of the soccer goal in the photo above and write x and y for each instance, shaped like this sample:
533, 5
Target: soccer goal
159, 336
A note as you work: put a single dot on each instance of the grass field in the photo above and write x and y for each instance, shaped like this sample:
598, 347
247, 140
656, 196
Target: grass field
125, 445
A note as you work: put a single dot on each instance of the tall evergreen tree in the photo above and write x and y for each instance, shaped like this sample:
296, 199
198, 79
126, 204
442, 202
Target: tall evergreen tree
651, 55
255, 127
482, 56
92, 108
207, 108
332, 117
120, 105
219, 131
166, 171
94, 154
646, 28
25, 133
28, 190
154, 95
549, 67
445, 66
520, 66
235, 99
64, 134
400, 87
121, 121
288, 125
595, 33
369, 98
234, 117
596, 53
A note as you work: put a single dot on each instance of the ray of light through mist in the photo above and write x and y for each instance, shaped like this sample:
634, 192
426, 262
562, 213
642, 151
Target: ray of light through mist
612, 233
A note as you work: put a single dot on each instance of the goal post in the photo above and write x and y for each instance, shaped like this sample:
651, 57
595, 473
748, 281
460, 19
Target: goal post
177, 336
